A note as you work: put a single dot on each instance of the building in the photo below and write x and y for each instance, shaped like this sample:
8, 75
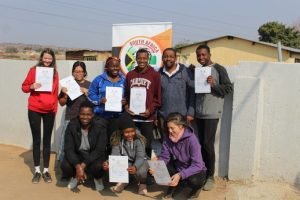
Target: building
229, 50
88, 55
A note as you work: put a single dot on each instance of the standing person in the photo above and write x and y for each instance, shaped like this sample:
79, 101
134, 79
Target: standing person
144, 76
41, 105
181, 152
79, 73
126, 142
209, 108
177, 87
112, 77
85, 142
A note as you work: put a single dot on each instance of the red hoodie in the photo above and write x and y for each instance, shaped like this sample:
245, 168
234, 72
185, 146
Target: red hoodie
42, 102
150, 79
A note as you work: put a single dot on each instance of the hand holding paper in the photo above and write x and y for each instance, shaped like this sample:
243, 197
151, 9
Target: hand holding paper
73, 89
138, 100
160, 172
44, 76
201, 81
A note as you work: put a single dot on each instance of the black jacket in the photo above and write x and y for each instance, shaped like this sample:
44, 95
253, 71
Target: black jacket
97, 139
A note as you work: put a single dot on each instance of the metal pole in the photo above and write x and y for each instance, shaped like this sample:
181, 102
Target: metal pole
279, 51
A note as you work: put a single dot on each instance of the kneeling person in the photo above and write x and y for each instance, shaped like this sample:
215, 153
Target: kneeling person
85, 142
181, 152
126, 142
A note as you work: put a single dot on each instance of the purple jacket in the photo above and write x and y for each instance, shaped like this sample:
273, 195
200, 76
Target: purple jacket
186, 153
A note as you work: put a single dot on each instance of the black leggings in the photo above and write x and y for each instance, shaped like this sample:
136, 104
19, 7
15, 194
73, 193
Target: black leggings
195, 181
94, 169
207, 131
35, 125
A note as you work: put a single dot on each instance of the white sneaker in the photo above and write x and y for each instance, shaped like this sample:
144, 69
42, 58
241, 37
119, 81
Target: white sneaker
73, 183
98, 184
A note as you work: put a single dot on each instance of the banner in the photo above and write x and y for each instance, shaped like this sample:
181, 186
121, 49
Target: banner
127, 39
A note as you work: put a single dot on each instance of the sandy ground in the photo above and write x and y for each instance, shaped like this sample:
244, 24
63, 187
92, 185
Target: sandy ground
16, 166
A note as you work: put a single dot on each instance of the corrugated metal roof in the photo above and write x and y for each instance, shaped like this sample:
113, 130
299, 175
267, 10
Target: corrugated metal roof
256, 41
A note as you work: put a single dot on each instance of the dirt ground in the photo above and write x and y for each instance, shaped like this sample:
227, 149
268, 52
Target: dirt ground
15, 183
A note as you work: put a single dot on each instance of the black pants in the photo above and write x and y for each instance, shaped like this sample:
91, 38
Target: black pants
195, 181
35, 125
113, 125
94, 169
146, 129
207, 131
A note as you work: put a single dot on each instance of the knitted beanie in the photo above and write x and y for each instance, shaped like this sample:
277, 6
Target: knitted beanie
125, 121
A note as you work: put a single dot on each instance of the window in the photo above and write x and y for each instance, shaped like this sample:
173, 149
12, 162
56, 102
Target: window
90, 58
297, 60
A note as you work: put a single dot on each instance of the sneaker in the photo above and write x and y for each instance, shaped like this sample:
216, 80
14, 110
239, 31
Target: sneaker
47, 177
209, 185
119, 187
73, 183
143, 189
194, 194
36, 177
99, 184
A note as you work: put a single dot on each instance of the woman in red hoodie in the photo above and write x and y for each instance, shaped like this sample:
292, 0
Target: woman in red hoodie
41, 105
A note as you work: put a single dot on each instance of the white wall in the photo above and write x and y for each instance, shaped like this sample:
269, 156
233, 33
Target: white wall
265, 136
14, 124
258, 136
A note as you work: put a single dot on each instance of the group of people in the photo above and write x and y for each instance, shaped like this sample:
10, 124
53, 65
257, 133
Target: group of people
187, 122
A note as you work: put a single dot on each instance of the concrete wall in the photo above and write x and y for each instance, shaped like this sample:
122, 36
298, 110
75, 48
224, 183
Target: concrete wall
265, 137
258, 136
14, 124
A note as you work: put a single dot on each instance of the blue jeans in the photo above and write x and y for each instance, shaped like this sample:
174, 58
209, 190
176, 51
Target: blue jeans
61, 152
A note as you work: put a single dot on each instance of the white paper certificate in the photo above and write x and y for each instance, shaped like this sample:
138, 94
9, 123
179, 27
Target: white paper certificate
72, 87
161, 173
201, 74
118, 169
113, 97
138, 100
44, 76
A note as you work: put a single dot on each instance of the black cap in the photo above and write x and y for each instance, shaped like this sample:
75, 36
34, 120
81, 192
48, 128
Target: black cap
125, 121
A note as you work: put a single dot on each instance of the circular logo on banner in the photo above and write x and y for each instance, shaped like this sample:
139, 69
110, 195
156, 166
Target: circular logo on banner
129, 49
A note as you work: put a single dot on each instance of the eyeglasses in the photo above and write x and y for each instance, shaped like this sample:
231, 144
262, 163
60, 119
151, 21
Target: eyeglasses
78, 72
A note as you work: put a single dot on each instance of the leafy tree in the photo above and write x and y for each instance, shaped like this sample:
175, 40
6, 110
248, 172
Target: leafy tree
274, 31
297, 25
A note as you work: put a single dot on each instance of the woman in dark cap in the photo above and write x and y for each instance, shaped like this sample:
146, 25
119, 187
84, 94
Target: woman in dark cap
127, 142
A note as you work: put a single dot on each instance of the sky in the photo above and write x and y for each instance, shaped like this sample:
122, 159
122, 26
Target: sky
87, 24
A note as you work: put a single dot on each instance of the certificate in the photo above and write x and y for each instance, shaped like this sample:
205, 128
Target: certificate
72, 87
44, 76
113, 97
161, 173
118, 169
201, 84
137, 102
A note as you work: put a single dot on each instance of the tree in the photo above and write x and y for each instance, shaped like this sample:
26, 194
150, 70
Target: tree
297, 25
274, 31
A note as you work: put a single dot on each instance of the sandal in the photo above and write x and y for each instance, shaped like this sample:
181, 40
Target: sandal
119, 187
143, 189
